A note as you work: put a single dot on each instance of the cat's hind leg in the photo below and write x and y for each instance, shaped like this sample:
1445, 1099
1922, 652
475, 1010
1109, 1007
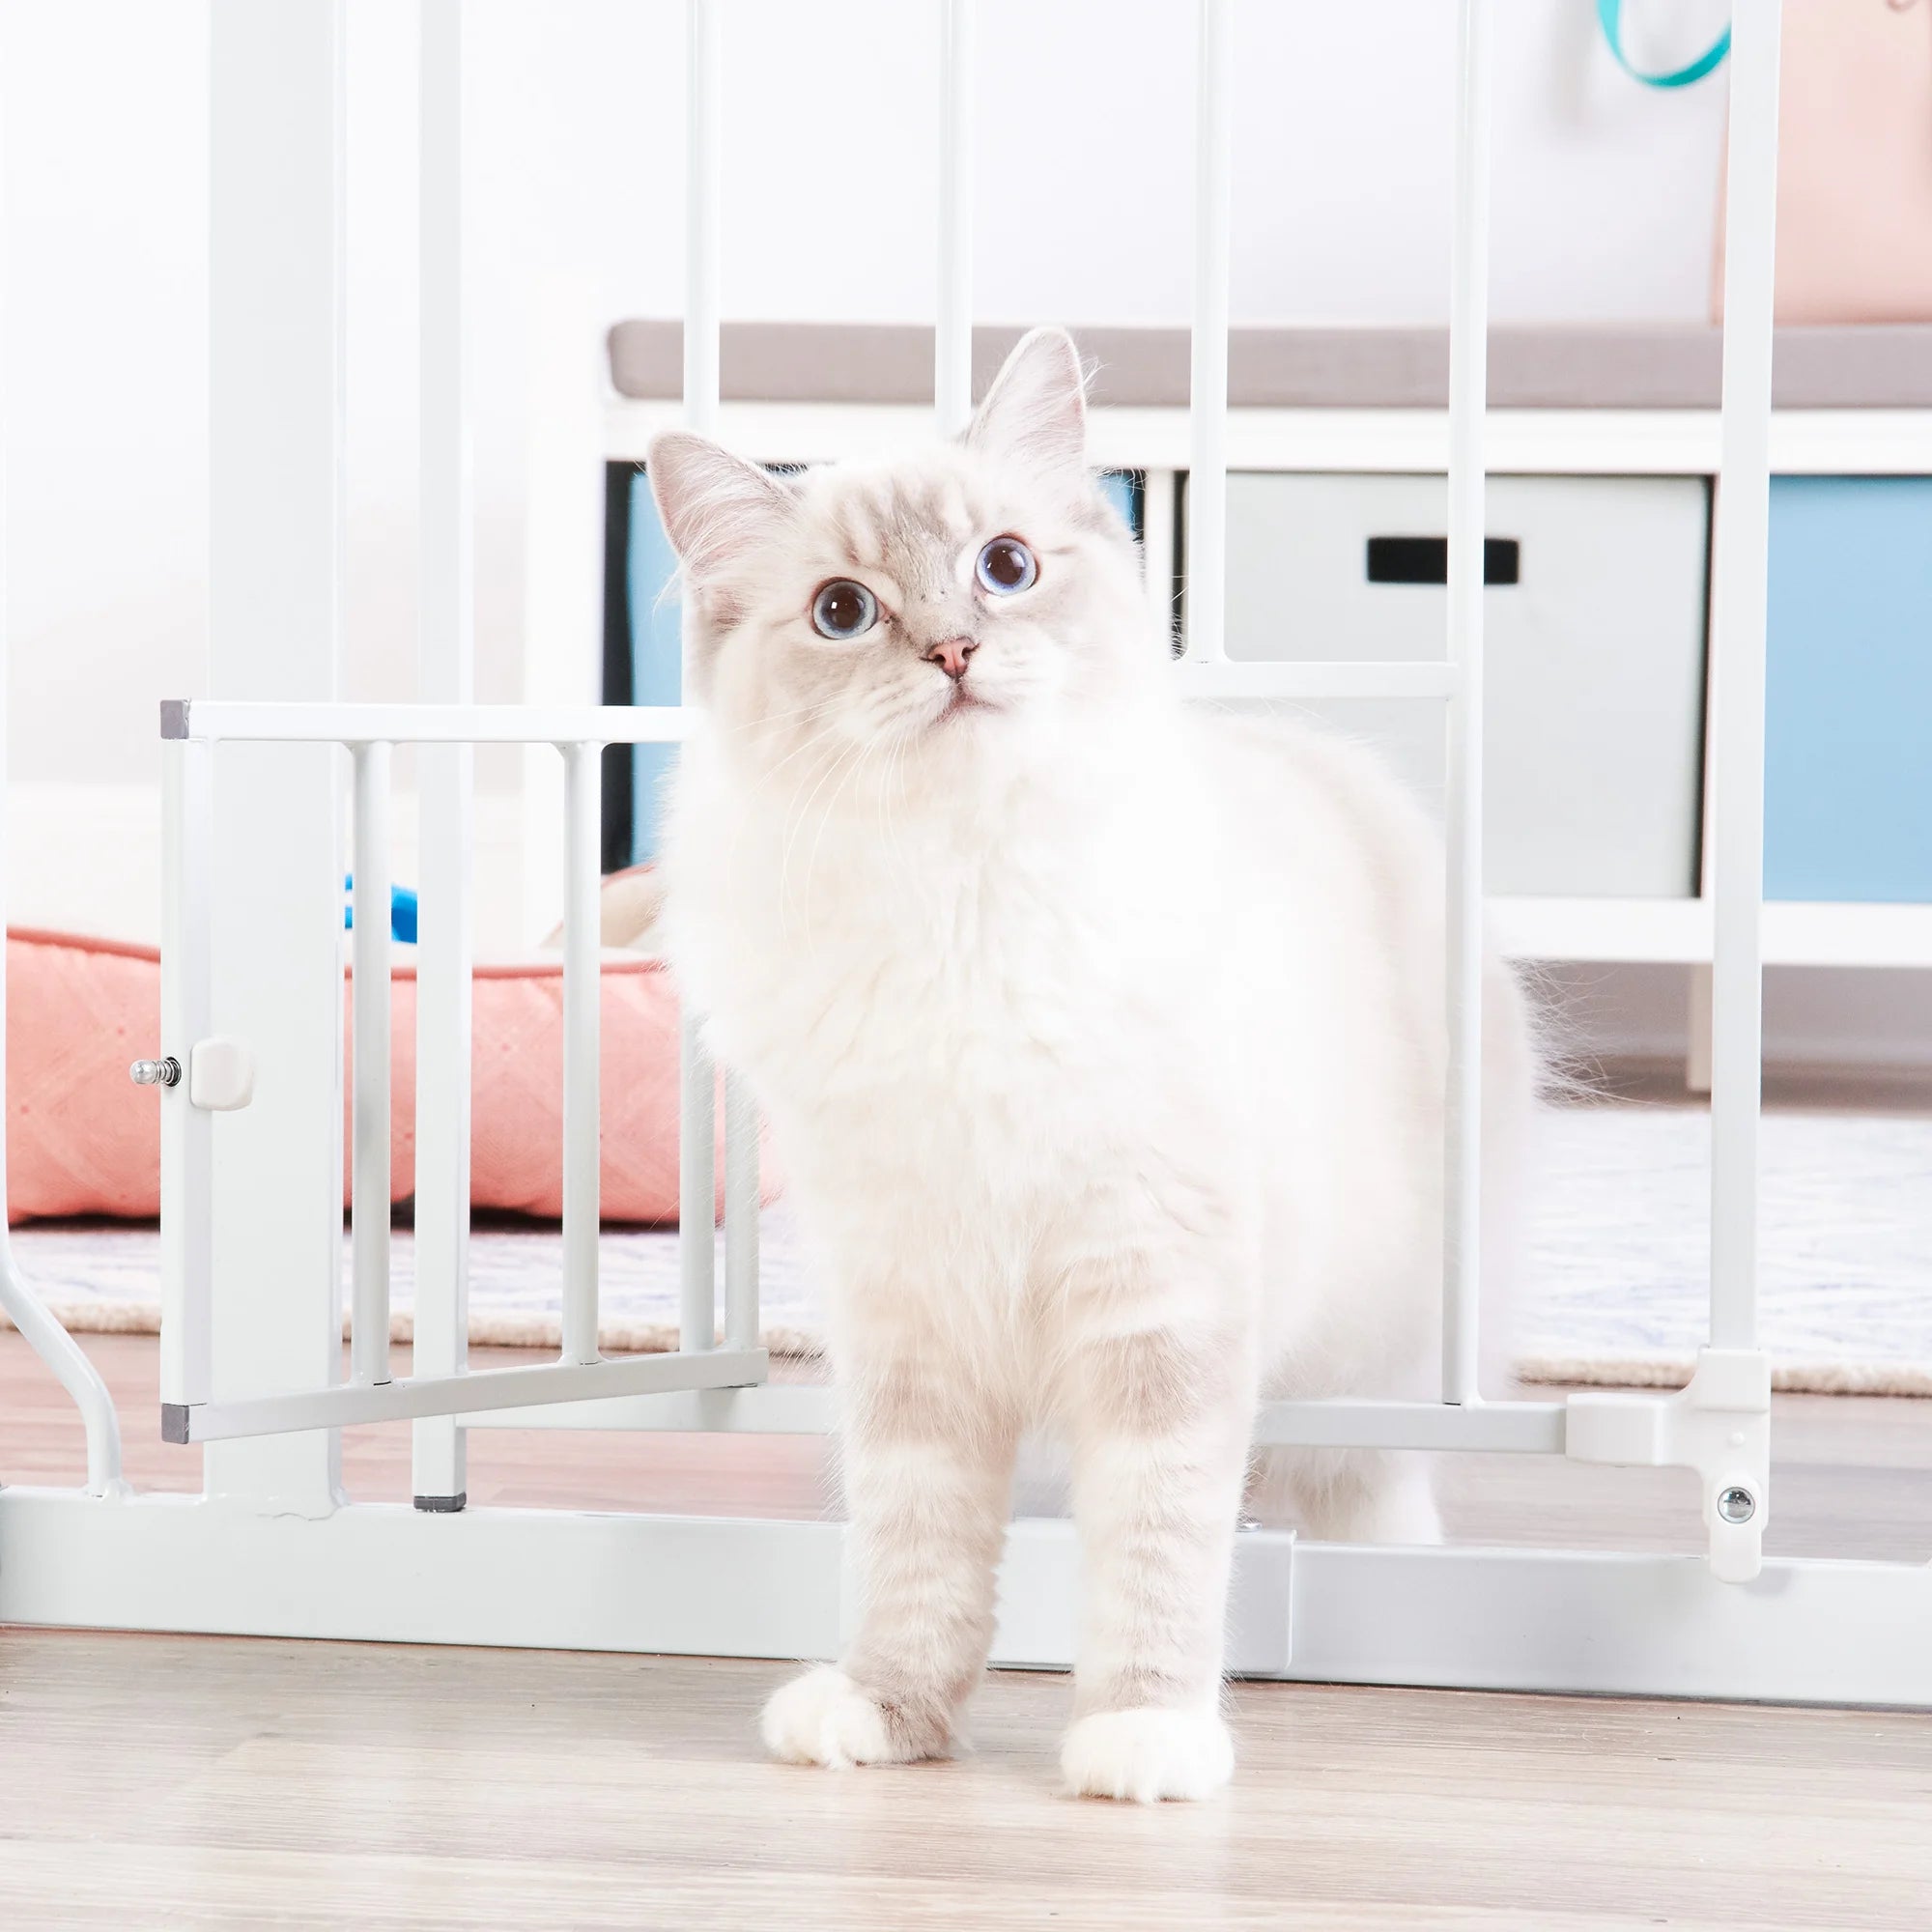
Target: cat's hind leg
1346, 1496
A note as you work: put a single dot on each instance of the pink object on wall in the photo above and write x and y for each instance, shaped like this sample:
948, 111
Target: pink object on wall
81, 1139
1854, 164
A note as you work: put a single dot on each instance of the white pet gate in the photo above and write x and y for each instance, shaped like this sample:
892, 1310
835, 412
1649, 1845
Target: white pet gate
252, 1030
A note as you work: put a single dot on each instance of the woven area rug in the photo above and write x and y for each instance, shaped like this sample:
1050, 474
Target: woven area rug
1619, 1242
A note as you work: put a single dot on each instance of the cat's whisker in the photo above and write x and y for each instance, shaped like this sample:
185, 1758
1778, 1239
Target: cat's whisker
892, 780
809, 743
921, 885
824, 818
747, 822
794, 825
770, 721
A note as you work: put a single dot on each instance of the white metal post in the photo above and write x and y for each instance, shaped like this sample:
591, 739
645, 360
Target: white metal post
369, 1327
1743, 540
742, 1200
187, 1133
583, 998
445, 658
1469, 347
952, 336
563, 567
704, 120
67, 1362
275, 446
1207, 595
697, 1178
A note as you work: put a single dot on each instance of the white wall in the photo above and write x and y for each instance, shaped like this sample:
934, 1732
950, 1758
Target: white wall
1603, 209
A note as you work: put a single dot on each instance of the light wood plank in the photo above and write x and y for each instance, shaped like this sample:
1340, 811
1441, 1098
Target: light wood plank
224, 1783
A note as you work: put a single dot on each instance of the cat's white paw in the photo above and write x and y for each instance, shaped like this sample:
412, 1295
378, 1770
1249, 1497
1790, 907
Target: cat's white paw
823, 1717
1142, 1756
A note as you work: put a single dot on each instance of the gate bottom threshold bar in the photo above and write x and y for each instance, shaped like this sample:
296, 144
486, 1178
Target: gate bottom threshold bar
487, 1389
1804, 1632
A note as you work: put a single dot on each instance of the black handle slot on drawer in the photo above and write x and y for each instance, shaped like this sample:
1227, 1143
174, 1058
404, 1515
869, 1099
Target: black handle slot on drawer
1426, 559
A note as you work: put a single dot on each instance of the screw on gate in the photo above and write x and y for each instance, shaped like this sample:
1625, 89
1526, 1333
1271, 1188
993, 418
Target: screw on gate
1720, 1425
156, 1073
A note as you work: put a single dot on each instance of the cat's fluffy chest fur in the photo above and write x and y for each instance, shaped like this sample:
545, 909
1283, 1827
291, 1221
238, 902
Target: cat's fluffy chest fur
942, 998
1159, 959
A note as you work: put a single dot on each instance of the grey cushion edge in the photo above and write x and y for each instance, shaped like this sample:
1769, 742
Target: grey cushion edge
1638, 367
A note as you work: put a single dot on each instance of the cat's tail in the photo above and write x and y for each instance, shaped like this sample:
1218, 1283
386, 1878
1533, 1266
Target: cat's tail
1516, 1064
631, 911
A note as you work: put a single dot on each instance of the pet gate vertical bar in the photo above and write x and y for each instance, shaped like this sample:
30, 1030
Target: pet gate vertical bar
445, 658
187, 1133
1207, 590
696, 1172
953, 337
275, 313
743, 1188
582, 996
1737, 612
369, 1202
1468, 336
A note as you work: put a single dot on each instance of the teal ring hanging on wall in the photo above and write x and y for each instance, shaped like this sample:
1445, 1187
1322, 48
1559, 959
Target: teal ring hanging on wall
1610, 18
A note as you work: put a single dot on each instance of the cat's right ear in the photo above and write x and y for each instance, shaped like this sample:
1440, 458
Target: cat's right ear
715, 505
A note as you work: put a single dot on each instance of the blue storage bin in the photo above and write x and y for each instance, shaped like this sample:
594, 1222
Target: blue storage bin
1848, 718
649, 565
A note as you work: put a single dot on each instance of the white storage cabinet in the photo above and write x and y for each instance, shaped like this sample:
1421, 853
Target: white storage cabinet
1594, 720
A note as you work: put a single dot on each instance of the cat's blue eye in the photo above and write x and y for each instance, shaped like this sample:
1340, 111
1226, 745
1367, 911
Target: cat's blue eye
1006, 565
845, 610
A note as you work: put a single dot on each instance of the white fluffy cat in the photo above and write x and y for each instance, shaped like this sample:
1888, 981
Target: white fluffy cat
1101, 1038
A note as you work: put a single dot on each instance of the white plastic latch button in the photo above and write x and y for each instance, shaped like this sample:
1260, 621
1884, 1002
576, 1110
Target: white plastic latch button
220, 1075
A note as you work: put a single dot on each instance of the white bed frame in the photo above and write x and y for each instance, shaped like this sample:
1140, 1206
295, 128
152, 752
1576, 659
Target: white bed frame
252, 1179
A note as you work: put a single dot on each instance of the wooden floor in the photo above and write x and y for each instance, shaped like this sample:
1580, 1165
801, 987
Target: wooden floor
221, 1782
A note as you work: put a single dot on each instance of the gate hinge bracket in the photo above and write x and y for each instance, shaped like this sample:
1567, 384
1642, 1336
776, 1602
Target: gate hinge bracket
1720, 1425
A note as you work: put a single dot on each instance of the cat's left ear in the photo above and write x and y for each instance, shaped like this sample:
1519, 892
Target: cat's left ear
1035, 412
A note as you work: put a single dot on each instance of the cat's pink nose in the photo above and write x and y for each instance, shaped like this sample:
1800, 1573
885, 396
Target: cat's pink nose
951, 655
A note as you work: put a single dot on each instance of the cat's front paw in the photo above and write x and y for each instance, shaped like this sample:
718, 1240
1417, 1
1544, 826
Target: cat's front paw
1145, 1755
824, 1718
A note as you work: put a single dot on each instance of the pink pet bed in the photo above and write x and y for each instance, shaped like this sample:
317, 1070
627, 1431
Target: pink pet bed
83, 1140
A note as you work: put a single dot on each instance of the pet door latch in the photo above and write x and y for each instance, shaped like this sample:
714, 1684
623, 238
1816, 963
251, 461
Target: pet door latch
1718, 1423
221, 1074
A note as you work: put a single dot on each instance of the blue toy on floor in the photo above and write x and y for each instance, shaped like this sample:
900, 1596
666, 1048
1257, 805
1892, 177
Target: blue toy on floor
402, 910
